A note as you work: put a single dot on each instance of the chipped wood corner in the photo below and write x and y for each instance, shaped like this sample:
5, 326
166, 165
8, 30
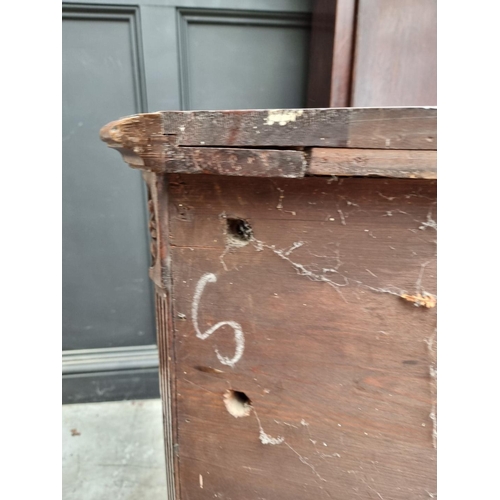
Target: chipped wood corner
139, 139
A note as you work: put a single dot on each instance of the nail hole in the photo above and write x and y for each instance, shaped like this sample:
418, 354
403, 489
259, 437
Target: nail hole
238, 231
237, 403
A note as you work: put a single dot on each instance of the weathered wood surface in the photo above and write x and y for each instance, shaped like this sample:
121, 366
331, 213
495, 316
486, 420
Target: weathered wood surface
262, 143
337, 360
313, 297
242, 162
367, 162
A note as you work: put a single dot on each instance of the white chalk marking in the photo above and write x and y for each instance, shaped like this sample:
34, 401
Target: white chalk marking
239, 338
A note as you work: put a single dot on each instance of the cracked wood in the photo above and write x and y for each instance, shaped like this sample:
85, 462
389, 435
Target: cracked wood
276, 143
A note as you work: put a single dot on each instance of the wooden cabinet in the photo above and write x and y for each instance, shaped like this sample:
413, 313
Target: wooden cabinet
293, 254
373, 53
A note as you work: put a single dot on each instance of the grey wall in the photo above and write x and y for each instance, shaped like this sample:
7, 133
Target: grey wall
143, 56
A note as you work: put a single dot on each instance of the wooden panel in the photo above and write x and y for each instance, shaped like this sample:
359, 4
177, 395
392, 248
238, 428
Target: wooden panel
332, 45
167, 385
107, 297
158, 226
343, 48
119, 385
395, 54
389, 128
242, 162
237, 59
312, 314
355, 162
173, 142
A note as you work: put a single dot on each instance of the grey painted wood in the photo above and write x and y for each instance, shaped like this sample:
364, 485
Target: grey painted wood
257, 5
116, 385
241, 60
109, 359
161, 57
106, 291
131, 56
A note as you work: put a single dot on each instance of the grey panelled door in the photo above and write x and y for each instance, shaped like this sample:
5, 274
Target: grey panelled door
131, 57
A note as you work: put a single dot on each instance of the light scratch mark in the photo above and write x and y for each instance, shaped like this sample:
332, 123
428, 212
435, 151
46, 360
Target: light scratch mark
201, 387
279, 206
390, 198
421, 297
342, 217
251, 468
418, 284
432, 416
305, 462
286, 423
430, 222
301, 269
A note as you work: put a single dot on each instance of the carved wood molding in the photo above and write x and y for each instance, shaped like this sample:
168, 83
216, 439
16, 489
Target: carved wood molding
158, 270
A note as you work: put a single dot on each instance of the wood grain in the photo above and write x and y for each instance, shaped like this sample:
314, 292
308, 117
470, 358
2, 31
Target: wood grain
336, 362
233, 161
315, 297
159, 273
368, 162
395, 60
343, 52
262, 143
384, 128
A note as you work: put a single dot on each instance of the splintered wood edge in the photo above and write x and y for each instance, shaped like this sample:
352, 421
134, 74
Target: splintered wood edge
383, 142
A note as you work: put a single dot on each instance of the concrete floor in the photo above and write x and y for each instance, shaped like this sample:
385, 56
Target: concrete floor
113, 451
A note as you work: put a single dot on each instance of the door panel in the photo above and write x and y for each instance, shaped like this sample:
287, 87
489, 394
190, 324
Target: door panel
243, 60
106, 291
